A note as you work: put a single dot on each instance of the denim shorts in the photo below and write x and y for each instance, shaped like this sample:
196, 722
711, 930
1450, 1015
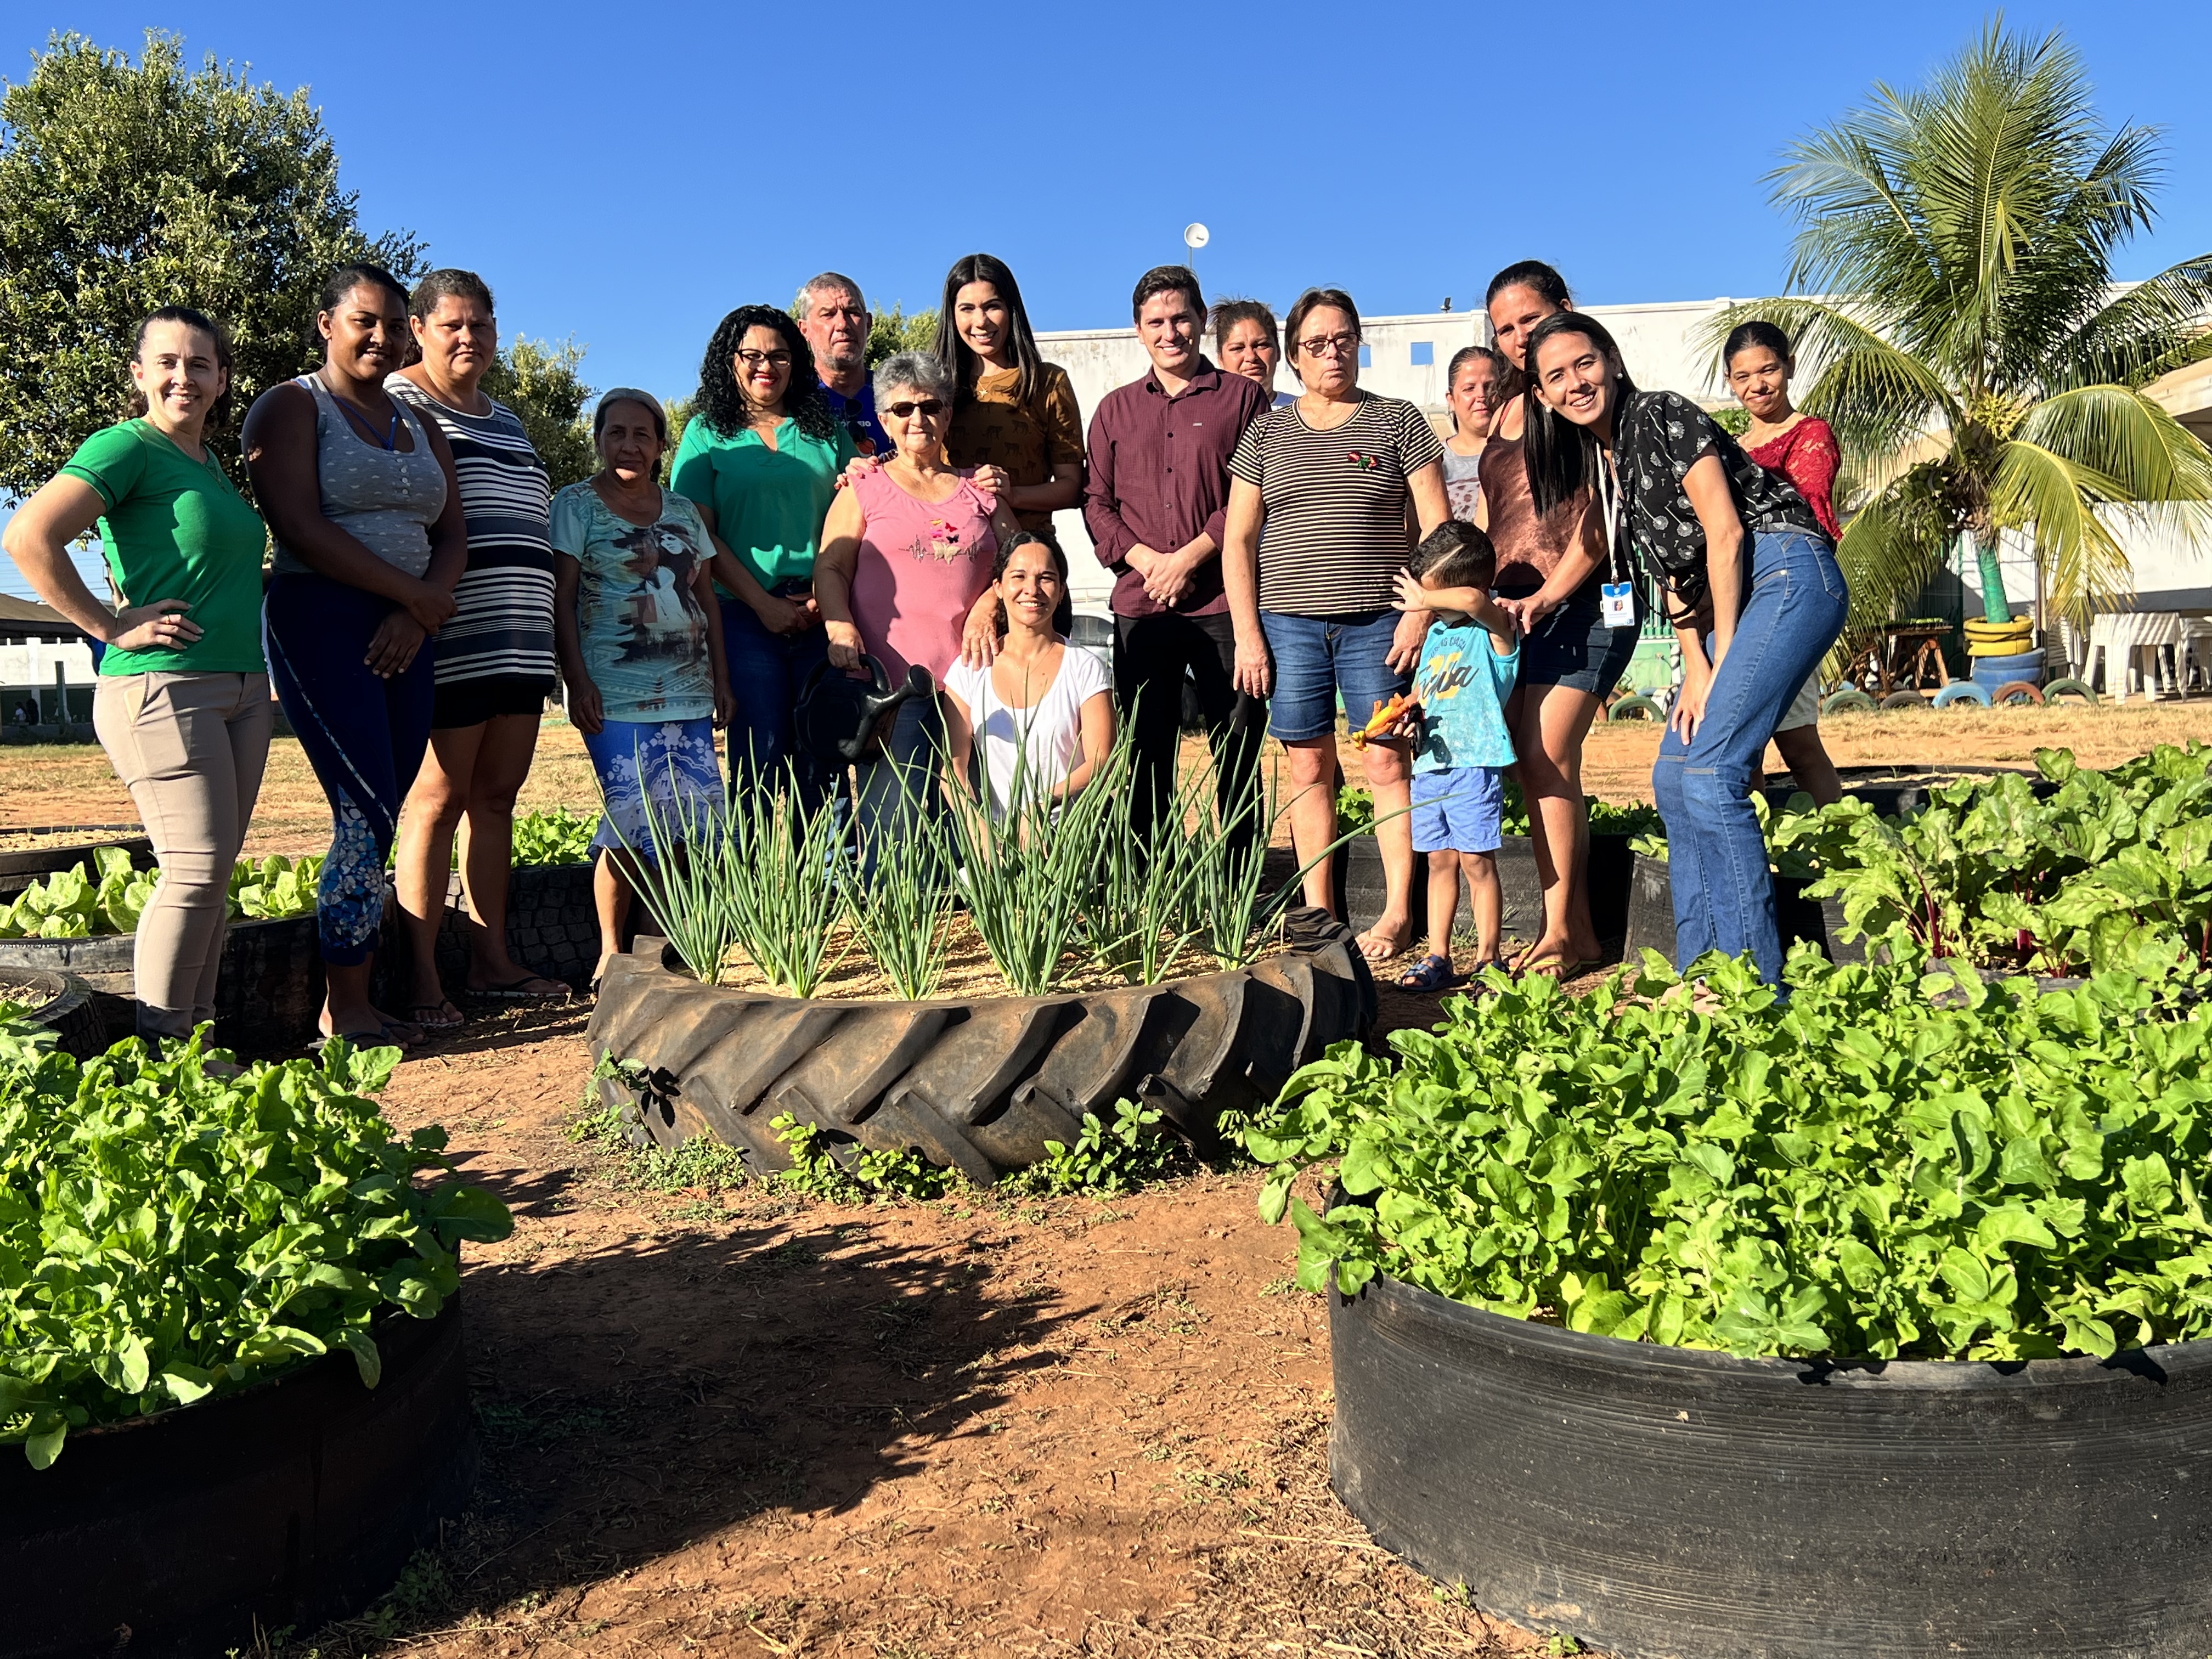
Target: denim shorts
1317, 658
1574, 647
1460, 809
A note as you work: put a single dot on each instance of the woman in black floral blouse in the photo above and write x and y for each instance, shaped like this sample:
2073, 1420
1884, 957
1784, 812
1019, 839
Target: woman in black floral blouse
1749, 581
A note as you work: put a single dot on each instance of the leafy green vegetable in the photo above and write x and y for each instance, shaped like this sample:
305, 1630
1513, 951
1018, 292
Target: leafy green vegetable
1106, 1158
554, 835
1868, 1169
168, 1232
1355, 811
2111, 863
73, 904
868, 1175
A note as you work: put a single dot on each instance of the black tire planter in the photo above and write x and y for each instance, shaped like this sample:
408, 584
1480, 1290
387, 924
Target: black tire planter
551, 926
1651, 912
1664, 1501
25, 866
268, 994
978, 1085
66, 1008
289, 1503
1359, 876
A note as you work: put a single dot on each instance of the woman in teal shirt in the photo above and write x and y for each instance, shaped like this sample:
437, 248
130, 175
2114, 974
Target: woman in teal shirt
182, 706
760, 460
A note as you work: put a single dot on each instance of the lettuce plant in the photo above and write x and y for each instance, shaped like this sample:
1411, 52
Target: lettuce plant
1884, 1165
169, 1232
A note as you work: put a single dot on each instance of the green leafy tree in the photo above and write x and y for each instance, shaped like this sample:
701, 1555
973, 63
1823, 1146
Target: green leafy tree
894, 331
126, 187
539, 380
680, 411
1980, 368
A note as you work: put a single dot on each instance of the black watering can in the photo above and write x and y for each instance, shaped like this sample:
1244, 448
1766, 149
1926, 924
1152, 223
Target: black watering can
838, 716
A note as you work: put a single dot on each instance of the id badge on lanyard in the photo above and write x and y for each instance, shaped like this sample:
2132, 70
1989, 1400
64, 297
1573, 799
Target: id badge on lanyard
1618, 597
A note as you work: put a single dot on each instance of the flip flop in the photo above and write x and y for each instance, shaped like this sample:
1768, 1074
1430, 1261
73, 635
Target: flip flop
438, 1020
1431, 972
1555, 968
1367, 941
512, 992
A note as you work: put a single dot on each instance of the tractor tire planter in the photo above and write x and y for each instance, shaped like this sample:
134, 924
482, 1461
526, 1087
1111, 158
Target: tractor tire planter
1361, 888
1665, 1503
551, 928
978, 1084
268, 994
289, 1503
63, 1003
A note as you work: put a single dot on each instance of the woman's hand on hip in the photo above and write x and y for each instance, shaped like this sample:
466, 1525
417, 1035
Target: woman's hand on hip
1405, 655
431, 606
844, 647
1253, 673
160, 626
392, 648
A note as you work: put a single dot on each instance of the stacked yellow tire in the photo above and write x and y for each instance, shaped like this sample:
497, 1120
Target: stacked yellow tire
2004, 638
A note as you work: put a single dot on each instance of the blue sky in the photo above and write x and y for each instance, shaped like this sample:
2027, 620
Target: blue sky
625, 173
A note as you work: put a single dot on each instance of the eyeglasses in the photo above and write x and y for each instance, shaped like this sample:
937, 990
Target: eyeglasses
773, 359
1330, 346
929, 406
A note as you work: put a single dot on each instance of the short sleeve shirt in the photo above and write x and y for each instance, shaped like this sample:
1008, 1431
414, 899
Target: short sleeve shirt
1463, 684
1335, 532
768, 504
858, 415
1033, 441
176, 528
641, 623
1663, 435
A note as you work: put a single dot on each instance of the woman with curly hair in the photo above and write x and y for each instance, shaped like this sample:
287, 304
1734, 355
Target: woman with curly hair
760, 460
1015, 419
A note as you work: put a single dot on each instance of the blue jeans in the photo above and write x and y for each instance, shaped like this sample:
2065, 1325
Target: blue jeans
1317, 658
898, 788
363, 734
1724, 892
766, 672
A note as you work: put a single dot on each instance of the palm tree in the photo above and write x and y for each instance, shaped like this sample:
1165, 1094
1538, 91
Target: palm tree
1981, 370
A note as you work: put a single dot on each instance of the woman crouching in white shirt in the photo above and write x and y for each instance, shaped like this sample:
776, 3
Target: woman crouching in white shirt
1044, 714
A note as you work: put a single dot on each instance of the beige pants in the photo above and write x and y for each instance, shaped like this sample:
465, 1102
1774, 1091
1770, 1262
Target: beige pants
191, 748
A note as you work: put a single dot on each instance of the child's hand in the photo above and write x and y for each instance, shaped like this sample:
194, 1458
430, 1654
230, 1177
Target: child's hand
1411, 596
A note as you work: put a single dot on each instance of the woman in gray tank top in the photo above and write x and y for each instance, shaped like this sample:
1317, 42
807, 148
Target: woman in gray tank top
360, 500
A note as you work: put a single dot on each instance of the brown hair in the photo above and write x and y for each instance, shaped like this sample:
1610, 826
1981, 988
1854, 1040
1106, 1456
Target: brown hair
200, 323
1309, 303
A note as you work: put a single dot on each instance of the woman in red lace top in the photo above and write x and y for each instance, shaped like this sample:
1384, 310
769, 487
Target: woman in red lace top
1802, 447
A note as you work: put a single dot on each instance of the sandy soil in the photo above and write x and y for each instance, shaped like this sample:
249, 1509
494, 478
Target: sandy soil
740, 1422
73, 783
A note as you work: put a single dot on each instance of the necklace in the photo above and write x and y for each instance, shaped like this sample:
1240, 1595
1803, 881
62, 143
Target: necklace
389, 441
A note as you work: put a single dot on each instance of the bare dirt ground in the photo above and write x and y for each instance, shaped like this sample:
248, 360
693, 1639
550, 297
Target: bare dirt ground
732, 1421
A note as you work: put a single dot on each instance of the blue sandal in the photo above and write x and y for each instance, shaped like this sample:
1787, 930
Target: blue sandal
1431, 972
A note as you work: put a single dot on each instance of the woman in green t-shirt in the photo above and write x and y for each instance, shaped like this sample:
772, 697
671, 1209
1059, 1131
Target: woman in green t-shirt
182, 706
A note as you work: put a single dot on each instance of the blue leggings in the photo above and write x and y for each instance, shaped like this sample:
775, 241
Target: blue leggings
364, 735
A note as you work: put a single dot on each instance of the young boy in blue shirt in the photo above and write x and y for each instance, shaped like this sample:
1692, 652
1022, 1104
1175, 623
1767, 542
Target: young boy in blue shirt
1468, 664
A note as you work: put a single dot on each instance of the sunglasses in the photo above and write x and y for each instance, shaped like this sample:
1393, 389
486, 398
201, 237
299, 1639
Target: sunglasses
929, 406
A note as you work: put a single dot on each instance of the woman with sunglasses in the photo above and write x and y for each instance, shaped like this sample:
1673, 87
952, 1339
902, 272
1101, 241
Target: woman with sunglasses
760, 460
1319, 491
905, 578
1015, 419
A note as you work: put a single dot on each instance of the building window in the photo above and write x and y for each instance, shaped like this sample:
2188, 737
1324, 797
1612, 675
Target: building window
1425, 353
1367, 356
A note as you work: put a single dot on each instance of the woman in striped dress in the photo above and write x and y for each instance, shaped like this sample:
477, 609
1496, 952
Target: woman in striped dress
494, 658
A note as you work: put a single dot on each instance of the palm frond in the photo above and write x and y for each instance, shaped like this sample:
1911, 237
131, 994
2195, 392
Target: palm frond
2054, 501
2137, 453
2159, 326
1893, 546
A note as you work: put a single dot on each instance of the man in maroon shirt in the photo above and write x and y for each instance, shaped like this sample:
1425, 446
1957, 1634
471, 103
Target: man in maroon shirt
1155, 505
